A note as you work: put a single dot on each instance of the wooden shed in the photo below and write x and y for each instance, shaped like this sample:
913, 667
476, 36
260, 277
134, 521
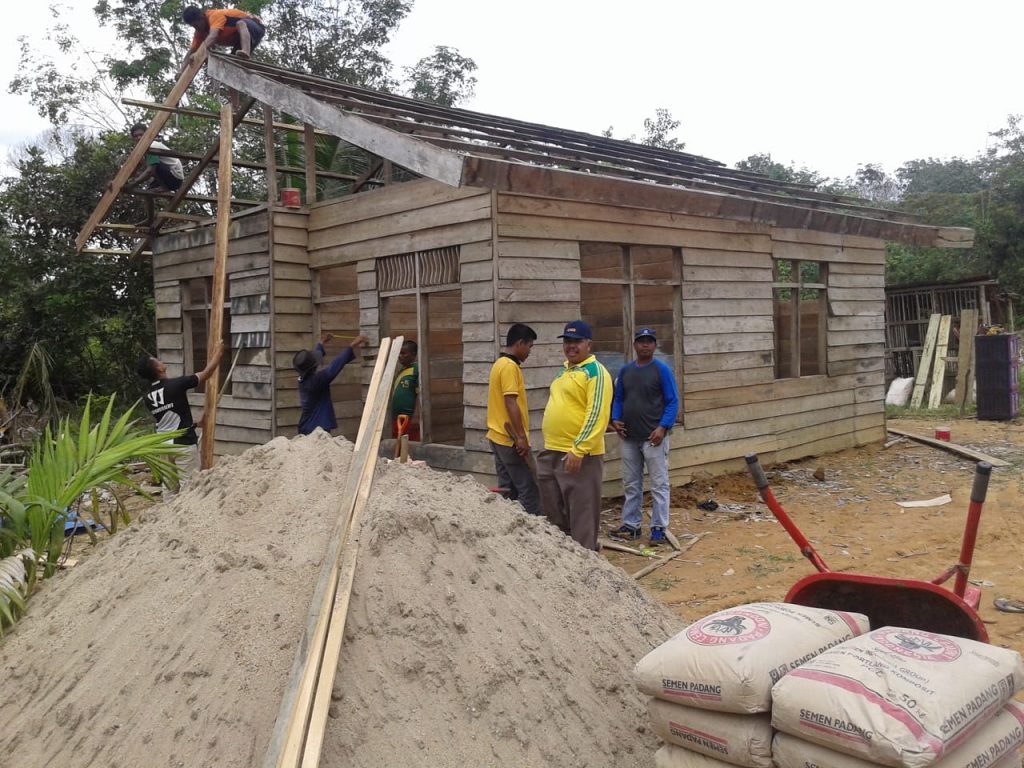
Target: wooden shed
768, 298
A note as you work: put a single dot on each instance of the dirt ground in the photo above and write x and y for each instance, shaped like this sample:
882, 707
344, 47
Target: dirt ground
852, 519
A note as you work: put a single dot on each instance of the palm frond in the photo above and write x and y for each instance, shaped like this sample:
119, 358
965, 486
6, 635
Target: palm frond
15, 586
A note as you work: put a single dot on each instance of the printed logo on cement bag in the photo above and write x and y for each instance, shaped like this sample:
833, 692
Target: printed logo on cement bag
917, 644
729, 628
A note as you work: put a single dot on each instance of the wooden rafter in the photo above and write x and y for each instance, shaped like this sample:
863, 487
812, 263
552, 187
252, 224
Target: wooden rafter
135, 156
417, 156
182, 192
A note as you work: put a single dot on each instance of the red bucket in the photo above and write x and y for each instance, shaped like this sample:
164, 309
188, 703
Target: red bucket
290, 197
942, 433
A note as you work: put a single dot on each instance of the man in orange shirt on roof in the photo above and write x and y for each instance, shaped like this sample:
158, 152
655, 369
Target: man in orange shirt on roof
227, 26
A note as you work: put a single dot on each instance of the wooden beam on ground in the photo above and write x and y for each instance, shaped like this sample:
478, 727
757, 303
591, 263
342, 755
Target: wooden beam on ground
135, 156
939, 372
220, 264
921, 380
418, 156
965, 358
669, 557
960, 450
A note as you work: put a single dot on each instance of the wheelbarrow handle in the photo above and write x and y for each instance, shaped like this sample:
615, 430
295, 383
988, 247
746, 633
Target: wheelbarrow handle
982, 474
761, 480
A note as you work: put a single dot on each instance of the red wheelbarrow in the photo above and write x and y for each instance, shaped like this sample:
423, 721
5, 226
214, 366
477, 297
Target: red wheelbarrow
886, 601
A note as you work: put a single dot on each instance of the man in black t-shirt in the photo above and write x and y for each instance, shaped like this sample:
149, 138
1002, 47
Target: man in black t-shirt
167, 400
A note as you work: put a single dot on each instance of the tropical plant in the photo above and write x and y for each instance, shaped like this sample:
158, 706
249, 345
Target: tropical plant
69, 463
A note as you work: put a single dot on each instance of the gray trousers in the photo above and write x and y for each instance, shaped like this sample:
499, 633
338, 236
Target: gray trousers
634, 456
514, 473
572, 501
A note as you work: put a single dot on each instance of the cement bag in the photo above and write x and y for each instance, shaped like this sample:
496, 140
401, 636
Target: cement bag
995, 743
899, 392
734, 739
729, 660
898, 697
671, 756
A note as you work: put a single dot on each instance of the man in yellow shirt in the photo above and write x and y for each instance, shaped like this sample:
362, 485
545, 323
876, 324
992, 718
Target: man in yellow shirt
571, 466
508, 419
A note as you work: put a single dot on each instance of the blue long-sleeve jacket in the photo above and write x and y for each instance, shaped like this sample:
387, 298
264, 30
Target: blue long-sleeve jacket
315, 393
645, 398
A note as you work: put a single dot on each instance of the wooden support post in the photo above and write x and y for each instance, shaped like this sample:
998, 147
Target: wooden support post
220, 268
939, 372
268, 150
309, 140
135, 156
926, 361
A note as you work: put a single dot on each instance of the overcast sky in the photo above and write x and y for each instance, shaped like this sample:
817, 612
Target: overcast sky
822, 84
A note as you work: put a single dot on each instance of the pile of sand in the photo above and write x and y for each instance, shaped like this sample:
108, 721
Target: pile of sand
477, 635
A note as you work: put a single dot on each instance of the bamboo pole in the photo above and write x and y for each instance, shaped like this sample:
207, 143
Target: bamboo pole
220, 264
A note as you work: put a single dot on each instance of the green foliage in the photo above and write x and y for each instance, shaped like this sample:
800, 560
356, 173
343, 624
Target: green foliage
93, 315
444, 78
658, 128
762, 163
71, 462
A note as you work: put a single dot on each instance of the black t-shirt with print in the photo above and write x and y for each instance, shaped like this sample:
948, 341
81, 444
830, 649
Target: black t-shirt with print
167, 400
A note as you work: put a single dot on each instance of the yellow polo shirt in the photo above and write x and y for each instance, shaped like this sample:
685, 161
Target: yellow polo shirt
506, 379
578, 409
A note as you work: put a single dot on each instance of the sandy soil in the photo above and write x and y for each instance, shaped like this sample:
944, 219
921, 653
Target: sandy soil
477, 635
852, 519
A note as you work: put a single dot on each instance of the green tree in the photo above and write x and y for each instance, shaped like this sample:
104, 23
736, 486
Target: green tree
658, 128
444, 78
763, 163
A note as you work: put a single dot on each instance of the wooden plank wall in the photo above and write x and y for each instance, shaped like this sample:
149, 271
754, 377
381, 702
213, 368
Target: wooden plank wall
293, 311
243, 417
413, 216
732, 404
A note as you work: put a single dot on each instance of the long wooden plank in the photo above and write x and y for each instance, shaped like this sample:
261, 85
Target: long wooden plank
939, 368
960, 450
220, 263
921, 380
286, 742
106, 202
347, 571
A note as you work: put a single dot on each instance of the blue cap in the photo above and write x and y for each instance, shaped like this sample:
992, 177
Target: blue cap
643, 332
577, 329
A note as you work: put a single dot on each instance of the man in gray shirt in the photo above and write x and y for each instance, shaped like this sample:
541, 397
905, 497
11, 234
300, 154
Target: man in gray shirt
644, 410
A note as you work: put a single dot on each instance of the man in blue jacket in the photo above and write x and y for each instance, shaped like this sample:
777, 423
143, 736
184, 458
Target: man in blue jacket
644, 410
315, 386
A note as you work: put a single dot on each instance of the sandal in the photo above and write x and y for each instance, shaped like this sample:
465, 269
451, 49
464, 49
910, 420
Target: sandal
1006, 605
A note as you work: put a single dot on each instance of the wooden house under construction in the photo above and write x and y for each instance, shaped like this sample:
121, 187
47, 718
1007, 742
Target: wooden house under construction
768, 297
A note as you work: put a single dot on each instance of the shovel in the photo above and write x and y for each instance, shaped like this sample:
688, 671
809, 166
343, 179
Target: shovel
402, 439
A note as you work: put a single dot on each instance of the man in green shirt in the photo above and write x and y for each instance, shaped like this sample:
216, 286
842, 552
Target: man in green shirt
405, 396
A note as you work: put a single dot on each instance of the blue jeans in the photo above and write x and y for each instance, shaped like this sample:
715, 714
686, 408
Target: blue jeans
634, 456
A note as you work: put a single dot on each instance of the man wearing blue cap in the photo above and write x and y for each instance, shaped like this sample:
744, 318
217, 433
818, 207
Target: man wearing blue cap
644, 410
571, 466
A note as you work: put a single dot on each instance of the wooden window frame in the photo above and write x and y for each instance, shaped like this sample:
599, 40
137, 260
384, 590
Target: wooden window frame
796, 287
421, 293
188, 310
628, 282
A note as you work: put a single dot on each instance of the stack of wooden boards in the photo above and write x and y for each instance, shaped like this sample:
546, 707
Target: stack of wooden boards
774, 684
931, 371
299, 730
